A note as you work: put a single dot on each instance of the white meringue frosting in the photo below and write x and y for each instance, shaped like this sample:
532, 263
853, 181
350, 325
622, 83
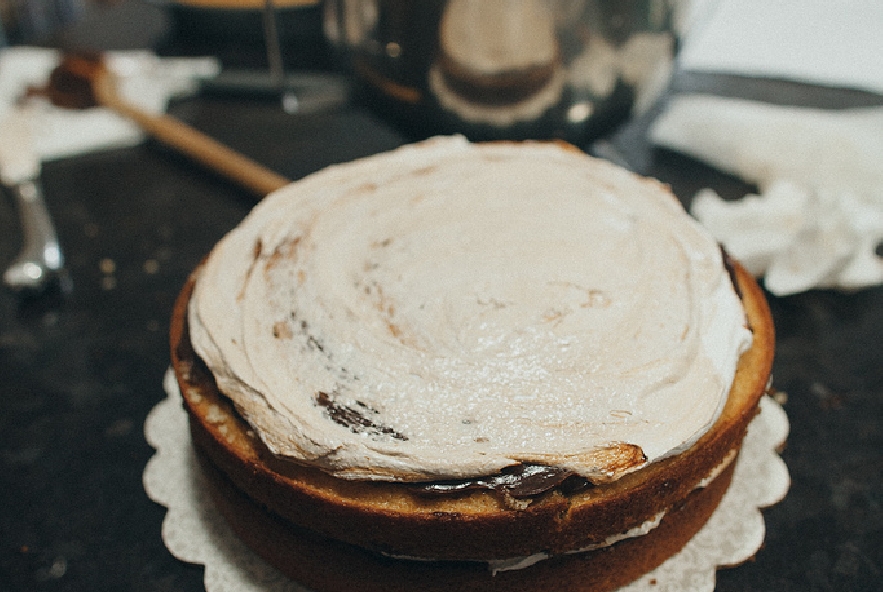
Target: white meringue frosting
449, 309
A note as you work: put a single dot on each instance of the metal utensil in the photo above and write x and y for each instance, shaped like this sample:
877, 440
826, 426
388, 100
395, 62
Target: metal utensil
40, 259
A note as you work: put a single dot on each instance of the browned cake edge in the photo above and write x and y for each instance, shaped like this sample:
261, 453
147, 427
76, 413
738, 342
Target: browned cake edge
326, 565
392, 518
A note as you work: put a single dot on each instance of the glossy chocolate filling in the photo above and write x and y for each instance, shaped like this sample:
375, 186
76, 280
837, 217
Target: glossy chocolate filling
519, 482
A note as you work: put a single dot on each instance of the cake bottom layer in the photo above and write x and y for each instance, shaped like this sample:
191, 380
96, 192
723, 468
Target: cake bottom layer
327, 565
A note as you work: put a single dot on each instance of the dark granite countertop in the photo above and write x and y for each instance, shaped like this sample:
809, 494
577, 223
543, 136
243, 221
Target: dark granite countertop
80, 372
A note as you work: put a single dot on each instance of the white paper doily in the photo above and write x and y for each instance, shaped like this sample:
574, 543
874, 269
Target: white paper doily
194, 532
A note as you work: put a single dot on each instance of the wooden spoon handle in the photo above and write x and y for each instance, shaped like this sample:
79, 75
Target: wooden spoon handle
189, 141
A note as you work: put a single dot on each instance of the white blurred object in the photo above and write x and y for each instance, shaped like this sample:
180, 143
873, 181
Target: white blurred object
815, 41
798, 240
144, 79
691, 14
819, 215
836, 150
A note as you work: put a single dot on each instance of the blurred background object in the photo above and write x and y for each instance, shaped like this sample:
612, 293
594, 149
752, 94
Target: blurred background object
33, 21
507, 69
266, 48
235, 31
92, 25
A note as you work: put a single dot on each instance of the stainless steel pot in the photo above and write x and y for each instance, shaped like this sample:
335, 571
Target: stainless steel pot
506, 69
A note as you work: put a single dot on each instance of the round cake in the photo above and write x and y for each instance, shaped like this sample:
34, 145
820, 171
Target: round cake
502, 366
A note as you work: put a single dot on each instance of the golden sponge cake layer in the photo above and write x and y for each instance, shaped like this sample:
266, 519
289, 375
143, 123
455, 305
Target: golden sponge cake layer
326, 565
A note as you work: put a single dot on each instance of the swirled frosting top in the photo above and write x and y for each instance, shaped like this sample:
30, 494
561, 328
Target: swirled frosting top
449, 309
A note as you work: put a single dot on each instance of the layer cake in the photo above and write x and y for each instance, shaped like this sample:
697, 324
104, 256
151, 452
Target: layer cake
504, 366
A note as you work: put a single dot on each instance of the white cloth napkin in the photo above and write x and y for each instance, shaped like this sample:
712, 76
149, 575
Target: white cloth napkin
144, 79
819, 216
